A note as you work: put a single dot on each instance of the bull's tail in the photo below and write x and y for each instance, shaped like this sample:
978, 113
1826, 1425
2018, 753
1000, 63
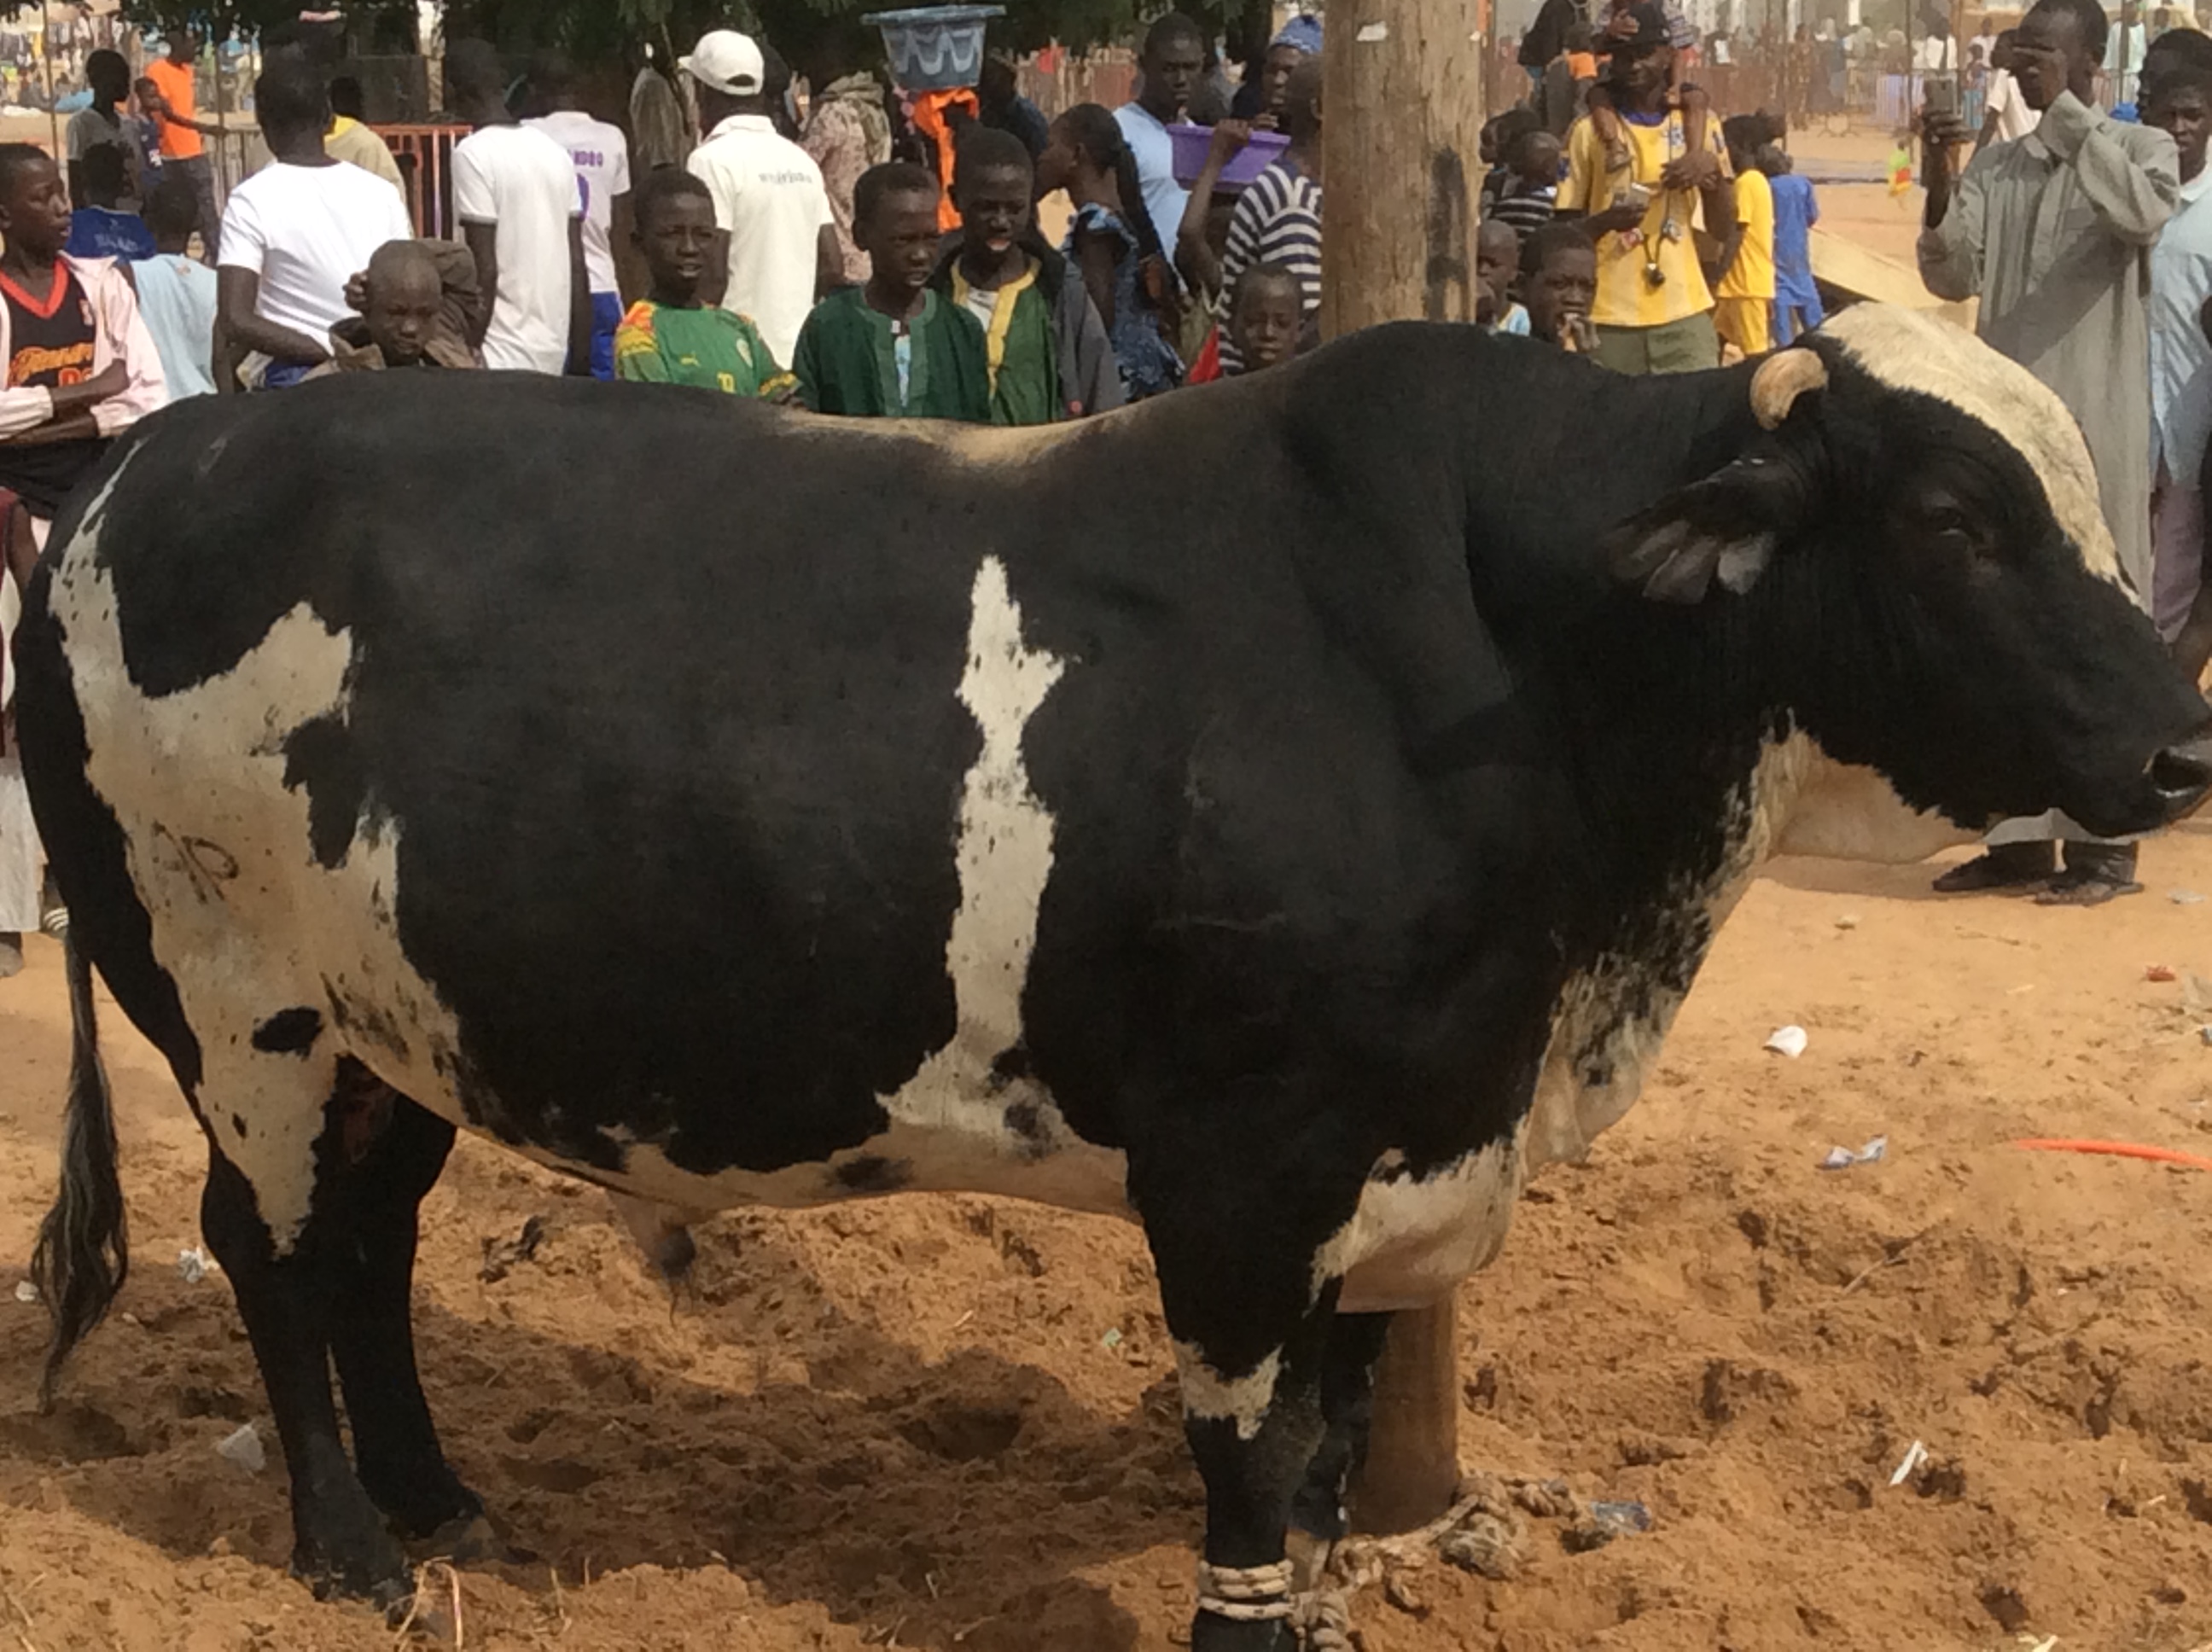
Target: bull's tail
83, 1253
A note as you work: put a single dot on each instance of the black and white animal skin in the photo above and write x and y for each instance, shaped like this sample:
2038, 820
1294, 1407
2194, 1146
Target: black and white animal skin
1287, 812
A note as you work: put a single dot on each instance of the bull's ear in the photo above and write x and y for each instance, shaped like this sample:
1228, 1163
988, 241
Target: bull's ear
1722, 529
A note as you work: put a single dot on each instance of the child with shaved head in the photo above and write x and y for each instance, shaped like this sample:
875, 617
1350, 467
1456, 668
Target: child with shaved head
409, 317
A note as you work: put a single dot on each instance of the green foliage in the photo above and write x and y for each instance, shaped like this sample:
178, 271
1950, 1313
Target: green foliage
823, 34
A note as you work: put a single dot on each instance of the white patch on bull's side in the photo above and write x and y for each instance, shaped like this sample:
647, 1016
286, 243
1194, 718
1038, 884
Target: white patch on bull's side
1917, 351
1412, 1239
1242, 1400
244, 918
949, 1125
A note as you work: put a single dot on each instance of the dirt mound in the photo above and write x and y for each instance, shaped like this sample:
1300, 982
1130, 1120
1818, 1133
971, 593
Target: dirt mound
951, 1422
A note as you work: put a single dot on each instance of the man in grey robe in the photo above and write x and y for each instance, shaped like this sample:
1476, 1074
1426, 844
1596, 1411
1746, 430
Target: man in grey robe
2053, 232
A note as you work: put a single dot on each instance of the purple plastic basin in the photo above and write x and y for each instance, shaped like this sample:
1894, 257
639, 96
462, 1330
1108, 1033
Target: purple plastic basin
1192, 144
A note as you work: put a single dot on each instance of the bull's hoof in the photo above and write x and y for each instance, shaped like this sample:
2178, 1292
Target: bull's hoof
471, 1540
1209, 1633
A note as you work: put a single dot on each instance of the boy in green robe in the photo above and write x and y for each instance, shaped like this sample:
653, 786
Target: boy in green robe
998, 281
670, 336
895, 347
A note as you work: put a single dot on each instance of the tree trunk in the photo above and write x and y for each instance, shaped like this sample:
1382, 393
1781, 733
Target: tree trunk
1412, 1469
1402, 112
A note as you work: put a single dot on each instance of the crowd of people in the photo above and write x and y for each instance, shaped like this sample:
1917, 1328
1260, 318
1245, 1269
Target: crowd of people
1694, 232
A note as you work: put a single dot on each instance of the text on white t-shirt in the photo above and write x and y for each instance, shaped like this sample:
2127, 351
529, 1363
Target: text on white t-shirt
600, 155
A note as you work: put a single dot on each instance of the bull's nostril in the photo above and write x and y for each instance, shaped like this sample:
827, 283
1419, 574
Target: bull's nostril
2181, 774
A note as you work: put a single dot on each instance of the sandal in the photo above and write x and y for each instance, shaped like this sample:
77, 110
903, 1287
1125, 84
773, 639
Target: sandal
2008, 866
2086, 889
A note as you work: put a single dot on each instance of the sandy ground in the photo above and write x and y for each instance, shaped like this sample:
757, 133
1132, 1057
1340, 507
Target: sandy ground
950, 1422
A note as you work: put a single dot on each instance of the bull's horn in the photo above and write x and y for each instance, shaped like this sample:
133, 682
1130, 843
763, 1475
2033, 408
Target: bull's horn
1782, 378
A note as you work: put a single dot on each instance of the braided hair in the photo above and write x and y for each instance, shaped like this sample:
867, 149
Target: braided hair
1098, 135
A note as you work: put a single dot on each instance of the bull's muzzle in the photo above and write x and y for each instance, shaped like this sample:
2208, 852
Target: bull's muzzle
2181, 774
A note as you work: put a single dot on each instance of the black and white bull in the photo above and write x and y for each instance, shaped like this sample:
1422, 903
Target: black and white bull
1286, 813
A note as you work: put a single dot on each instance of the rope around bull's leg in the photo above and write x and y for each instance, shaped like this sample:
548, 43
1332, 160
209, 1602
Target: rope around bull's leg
1324, 1614
1246, 1595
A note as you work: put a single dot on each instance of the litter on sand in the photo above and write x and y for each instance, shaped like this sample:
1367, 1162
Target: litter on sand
26, 1292
2158, 972
1842, 1158
194, 1264
243, 1446
1622, 1516
2186, 898
1789, 1040
1914, 1456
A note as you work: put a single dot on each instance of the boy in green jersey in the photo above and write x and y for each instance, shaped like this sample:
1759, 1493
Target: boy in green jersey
670, 336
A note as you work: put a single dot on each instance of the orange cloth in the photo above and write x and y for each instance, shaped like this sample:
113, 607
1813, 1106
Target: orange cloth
930, 120
174, 81
1583, 65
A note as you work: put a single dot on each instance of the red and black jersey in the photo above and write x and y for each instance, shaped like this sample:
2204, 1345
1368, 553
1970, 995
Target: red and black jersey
50, 342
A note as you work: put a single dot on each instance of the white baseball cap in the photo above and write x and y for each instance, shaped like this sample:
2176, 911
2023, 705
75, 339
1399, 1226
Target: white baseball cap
727, 62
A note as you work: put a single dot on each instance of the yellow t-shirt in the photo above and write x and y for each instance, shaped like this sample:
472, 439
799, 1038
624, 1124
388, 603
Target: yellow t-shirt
1751, 273
1626, 296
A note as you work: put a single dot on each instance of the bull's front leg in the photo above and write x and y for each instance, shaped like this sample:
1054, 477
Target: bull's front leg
1252, 1330
1253, 1432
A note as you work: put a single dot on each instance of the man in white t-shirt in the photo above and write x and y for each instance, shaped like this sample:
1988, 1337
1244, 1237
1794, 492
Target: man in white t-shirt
1173, 59
2005, 113
296, 231
776, 241
600, 156
521, 213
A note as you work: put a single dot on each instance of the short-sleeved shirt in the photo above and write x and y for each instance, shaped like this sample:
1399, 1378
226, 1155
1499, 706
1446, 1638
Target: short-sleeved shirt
305, 232
1276, 221
1153, 151
88, 128
176, 294
1527, 207
660, 343
600, 155
1626, 297
1750, 274
174, 81
104, 233
768, 195
522, 183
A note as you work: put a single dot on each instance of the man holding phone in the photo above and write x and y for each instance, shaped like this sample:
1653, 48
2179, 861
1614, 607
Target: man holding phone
2053, 232
1653, 310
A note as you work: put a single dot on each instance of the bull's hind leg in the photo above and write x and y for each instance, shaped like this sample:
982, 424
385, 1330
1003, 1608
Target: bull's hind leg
283, 1190
393, 1156
288, 1299
1347, 1410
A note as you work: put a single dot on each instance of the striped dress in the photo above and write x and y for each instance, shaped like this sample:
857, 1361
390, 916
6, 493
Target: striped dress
1277, 221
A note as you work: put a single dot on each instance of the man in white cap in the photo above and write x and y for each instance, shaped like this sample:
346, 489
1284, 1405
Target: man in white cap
775, 241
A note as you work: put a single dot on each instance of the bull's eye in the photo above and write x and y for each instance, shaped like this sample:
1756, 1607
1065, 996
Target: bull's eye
1951, 532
